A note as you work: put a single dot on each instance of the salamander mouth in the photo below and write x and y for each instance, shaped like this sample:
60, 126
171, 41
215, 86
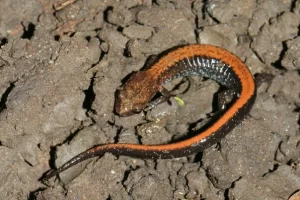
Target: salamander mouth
123, 113
118, 108
123, 110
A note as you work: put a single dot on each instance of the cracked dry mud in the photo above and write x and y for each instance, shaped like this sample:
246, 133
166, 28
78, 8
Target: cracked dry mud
60, 65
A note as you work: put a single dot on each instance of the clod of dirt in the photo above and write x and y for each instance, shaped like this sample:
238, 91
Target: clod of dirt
120, 16
268, 44
291, 58
138, 32
251, 156
225, 12
172, 28
276, 185
264, 11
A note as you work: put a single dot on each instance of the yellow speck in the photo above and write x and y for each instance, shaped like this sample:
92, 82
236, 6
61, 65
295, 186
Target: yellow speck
179, 101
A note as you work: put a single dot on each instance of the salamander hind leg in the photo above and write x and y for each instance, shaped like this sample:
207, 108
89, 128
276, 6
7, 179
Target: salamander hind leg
226, 98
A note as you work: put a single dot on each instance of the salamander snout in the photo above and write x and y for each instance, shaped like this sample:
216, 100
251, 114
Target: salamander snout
135, 94
125, 104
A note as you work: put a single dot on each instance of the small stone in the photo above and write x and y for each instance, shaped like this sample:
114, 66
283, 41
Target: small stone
138, 32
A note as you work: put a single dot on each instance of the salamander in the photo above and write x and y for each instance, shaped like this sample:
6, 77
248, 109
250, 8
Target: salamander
135, 95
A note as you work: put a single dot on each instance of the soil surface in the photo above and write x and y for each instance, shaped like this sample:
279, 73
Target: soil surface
62, 60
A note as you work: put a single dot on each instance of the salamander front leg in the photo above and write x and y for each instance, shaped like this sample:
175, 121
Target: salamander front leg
166, 95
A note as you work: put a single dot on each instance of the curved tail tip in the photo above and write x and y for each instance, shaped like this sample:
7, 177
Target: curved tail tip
49, 174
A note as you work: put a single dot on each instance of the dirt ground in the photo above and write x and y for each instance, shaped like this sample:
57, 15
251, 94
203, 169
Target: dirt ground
62, 60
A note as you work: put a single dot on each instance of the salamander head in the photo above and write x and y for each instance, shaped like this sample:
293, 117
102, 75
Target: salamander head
134, 95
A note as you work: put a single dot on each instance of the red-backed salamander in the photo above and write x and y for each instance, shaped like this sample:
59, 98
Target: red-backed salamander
198, 59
